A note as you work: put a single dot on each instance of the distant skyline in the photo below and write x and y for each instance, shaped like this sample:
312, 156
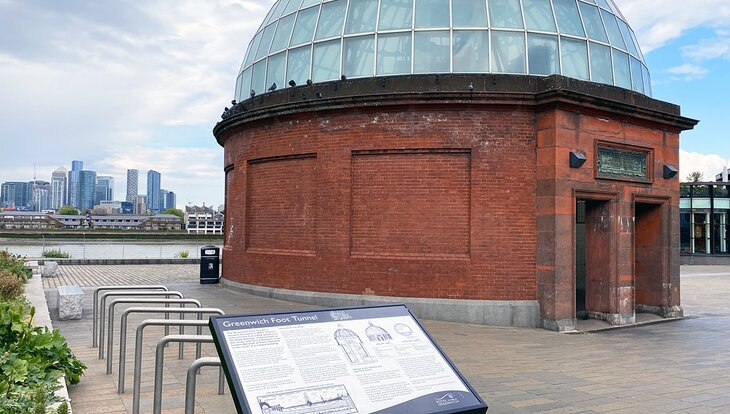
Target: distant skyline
140, 85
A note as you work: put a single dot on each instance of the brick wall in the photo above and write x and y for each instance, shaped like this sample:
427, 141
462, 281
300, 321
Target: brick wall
424, 201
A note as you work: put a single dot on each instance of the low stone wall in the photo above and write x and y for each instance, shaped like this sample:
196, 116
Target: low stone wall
118, 261
37, 298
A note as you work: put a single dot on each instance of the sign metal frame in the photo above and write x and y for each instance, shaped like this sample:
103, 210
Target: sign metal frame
238, 394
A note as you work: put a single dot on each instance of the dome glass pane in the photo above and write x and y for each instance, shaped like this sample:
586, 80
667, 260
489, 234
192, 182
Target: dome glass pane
471, 51
432, 14
636, 83
566, 11
291, 7
621, 71
359, 56
593, 23
505, 14
508, 52
469, 13
331, 19
614, 33
361, 16
304, 27
395, 14
601, 69
394, 54
283, 33
276, 71
584, 39
326, 61
297, 64
431, 52
542, 52
539, 15
574, 55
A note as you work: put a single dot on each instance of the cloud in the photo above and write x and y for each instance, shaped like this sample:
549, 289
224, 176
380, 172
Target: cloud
656, 22
687, 72
708, 164
707, 49
96, 80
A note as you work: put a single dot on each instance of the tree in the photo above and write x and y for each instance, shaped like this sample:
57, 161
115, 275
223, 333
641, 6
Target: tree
175, 212
695, 177
68, 211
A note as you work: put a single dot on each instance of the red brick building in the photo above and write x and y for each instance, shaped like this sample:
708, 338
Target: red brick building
485, 198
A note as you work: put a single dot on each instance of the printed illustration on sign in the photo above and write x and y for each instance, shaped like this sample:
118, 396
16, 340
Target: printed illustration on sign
403, 329
377, 334
352, 346
340, 315
331, 400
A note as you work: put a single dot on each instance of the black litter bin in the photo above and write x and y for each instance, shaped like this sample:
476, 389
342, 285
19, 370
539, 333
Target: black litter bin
209, 264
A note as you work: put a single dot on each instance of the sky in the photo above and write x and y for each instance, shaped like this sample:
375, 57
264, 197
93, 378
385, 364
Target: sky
140, 84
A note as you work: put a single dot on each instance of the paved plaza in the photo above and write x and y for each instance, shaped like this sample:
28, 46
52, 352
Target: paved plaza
681, 366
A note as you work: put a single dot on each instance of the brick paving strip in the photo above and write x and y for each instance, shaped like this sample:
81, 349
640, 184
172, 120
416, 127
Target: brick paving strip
677, 367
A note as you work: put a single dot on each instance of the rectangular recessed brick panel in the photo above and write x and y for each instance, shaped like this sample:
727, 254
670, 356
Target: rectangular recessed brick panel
281, 205
411, 203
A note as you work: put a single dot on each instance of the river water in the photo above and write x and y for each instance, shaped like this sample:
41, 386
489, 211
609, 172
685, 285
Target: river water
105, 249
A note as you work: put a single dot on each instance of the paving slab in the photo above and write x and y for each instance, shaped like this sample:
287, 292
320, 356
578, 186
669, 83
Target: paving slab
681, 366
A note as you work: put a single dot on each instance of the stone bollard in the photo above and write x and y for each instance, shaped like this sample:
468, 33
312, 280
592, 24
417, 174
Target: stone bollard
70, 302
49, 269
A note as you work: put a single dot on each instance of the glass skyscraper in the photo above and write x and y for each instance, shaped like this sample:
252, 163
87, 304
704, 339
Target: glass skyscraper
59, 184
73, 183
87, 189
153, 191
132, 185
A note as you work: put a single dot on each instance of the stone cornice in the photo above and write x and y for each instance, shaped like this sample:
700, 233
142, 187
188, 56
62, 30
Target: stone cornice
449, 89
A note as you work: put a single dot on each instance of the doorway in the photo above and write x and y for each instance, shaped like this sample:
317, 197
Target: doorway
593, 252
649, 267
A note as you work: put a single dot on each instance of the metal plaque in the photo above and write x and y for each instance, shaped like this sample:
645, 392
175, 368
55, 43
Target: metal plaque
613, 162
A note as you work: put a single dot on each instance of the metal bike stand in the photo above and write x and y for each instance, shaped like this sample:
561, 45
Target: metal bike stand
199, 323
160, 361
191, 382
96, 302
135, 300
123, 293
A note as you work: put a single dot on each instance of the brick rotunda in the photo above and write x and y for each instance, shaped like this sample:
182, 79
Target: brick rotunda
505, 165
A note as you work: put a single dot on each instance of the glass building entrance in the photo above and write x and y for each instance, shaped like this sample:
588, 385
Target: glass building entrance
704, 209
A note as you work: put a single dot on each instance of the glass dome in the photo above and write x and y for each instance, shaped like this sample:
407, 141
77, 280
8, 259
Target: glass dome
321, 41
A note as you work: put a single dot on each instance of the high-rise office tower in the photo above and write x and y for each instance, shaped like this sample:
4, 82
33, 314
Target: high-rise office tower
167, 199
153, 191
16, 194
73, 183
59, 182
87, 188
132, 185
41, 195
104, 189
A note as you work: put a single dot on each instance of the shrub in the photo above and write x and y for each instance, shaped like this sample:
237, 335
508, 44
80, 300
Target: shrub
56, 253
182, 254
16, 265
11, 286
32, 360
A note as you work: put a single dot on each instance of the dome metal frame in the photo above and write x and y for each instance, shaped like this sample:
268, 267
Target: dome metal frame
314, 40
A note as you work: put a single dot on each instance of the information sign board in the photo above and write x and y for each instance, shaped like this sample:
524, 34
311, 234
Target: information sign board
365, 360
